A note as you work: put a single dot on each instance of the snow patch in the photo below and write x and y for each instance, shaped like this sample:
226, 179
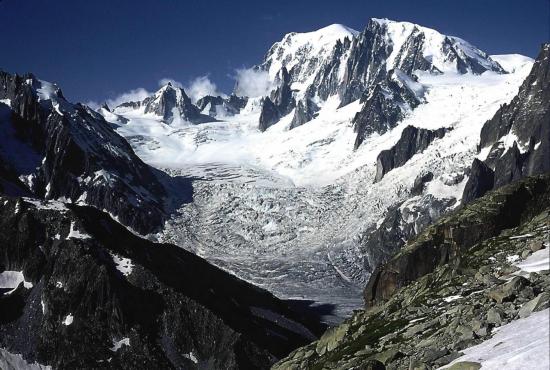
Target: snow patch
191, 356
68, 320
538, 261
12, 361
519, 345
12, 279
512, 258
452, 298
53, 205
124, 265
118, 344
74, 233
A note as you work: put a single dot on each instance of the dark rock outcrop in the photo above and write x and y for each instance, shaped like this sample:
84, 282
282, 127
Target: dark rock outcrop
96, 296
327, 81
305, 111
212, 100
280, 103
68, 151
386, 104
444, 242
282, 96
413, 140
420, 182
481, 180
518, 135
269, 116
218, 105
402, 222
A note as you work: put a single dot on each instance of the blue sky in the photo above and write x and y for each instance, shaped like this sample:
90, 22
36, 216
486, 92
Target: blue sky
96, 50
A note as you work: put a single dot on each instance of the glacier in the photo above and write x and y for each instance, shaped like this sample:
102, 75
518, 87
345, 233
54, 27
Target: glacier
287, 209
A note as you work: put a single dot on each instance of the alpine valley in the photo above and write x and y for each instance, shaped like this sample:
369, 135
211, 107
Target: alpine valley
383, 203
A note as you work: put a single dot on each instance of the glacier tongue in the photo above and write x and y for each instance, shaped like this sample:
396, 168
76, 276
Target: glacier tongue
288, 210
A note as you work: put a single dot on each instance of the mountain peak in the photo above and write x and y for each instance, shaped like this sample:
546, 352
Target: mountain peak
444, 53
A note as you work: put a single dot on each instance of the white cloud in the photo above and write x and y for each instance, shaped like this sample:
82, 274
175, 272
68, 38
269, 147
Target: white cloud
252, 83
195, 89
200, 87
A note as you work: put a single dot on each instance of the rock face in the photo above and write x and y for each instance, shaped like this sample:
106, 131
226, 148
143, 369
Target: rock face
217, 106
269, 116
68, 151
305, 111
402, 222
517, 138
460, 298
413, 140
279, 104
481, 180
92, 295
386, 104
376, 51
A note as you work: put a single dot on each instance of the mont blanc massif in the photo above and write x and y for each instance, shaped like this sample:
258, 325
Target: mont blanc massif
383, 202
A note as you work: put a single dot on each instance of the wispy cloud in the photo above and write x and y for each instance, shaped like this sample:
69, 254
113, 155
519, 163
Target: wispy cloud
196, 88
200, 87
252, 83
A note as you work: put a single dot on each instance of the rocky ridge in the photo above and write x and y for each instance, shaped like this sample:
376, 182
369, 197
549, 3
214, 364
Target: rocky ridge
516, 142
61, 150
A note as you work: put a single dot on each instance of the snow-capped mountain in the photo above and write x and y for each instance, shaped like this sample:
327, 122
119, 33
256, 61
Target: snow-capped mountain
339, 61
305, 55
322, 204
170, 103
60, 150
365, 142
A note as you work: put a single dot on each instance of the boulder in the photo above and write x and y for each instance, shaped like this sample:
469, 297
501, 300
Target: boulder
510, 290
331, 339
540, 302
536, 245
465, 365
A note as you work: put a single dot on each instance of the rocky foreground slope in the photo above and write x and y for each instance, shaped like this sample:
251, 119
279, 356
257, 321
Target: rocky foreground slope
79, 291
448, 289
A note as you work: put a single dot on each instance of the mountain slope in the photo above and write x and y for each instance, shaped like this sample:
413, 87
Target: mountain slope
92, 295
302, 211
516, 142
427, 312
68, 151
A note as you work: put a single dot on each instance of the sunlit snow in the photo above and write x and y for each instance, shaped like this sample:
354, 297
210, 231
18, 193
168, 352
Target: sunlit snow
519, 345
284, 208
